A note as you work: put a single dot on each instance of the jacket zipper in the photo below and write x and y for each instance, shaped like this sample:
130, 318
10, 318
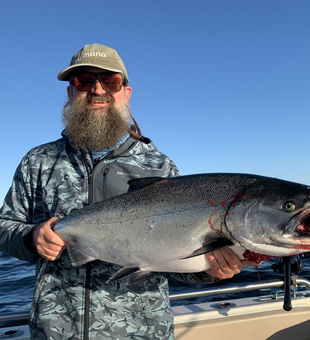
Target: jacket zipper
88, 265
87, 276
105, 183
87, 301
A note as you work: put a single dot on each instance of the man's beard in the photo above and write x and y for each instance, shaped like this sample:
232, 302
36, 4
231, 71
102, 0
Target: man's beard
93, 129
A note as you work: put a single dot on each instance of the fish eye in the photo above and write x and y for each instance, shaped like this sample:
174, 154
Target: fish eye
289, 206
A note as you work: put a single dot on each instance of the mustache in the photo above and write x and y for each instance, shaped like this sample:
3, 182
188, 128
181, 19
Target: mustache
103, 98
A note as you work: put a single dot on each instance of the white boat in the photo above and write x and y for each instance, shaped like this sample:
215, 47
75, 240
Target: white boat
261, 317
255, 318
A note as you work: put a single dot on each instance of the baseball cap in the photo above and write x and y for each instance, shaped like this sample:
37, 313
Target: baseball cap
95, 55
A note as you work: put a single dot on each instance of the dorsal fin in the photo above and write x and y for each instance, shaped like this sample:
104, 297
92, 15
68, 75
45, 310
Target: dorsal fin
136, 184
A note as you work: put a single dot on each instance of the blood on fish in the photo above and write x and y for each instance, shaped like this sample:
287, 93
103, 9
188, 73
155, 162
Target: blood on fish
223, 204
254, 257
302, 246
211, 224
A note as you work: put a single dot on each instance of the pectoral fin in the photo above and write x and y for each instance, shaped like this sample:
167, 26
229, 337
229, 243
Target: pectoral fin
215, 245
77, 256
133, 274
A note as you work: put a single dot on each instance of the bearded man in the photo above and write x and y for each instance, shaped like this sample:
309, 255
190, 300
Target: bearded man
100, 150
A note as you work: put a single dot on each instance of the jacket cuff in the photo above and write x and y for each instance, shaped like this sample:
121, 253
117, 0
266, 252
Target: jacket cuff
28, 241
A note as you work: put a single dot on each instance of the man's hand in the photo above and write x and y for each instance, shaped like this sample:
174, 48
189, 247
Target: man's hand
225, 263
47, 243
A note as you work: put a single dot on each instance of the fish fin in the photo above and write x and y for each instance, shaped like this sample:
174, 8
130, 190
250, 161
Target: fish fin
125, 272
77, 256
139, 183
136, 276
218, 244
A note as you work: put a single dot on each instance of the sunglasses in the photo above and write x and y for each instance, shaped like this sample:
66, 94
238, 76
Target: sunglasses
110, 82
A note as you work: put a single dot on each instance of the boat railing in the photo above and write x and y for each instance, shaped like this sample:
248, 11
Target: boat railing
238, 288
201, 293
14, 317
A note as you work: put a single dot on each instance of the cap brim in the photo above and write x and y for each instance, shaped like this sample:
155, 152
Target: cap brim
65, 74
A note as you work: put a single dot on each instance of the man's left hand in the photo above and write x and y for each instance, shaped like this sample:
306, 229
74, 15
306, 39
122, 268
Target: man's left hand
225, 263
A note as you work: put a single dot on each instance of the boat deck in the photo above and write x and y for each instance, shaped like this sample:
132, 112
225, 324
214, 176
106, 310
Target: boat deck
247, 318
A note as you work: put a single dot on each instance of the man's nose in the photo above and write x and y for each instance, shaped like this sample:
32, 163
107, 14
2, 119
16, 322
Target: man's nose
97, 88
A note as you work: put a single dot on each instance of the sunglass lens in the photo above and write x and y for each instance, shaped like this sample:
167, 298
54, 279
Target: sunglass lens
111, 82
83, 82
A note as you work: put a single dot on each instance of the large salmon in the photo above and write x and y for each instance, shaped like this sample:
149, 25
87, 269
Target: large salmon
168, 224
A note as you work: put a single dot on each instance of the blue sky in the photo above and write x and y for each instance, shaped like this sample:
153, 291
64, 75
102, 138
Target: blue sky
218, 85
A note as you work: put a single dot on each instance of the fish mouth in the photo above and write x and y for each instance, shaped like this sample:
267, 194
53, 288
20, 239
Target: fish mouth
303, 228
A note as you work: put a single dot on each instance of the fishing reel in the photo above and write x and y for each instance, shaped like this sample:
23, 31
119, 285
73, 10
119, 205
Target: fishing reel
296, 264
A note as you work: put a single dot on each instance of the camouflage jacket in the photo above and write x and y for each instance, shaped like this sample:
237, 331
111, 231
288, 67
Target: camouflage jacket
75, 302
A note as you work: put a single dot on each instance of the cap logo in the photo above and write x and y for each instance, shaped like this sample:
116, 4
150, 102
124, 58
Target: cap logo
91, 54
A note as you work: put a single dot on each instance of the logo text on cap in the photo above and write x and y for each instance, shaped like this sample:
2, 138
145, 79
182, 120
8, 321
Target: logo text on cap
91, 54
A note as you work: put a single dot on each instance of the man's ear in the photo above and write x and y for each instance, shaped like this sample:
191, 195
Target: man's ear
128, 91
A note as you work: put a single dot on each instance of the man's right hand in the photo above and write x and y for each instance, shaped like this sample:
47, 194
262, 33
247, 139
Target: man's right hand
47, 243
